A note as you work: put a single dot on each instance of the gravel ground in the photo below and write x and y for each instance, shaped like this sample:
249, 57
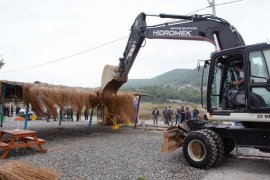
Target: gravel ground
125, 154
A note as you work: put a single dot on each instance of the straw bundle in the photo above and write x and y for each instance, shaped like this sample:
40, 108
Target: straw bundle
44, 98
18, 170
120, 104
33, 96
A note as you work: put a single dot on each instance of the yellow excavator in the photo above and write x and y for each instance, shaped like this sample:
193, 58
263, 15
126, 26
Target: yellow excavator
203, 144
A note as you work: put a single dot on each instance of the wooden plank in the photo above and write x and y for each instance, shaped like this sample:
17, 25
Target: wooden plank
42, 141
2, 144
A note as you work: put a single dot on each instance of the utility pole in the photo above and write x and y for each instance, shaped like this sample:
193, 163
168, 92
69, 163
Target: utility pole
213, 5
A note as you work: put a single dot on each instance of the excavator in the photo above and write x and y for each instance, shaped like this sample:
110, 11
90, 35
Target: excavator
203, 143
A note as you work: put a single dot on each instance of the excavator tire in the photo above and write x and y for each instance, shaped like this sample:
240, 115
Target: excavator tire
219, 144
201, 149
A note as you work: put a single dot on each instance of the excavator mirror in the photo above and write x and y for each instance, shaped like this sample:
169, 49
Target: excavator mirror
198, 65
206, 63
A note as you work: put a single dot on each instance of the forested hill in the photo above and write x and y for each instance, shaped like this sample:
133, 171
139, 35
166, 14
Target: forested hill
178, 84
176, 77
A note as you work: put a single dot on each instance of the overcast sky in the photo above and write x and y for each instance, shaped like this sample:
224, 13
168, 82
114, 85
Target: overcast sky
36, 32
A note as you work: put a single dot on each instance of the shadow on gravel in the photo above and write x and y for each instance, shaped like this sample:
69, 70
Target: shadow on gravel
77, 131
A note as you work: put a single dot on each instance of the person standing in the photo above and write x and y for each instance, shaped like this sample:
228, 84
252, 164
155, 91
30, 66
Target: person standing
71, 114
85, 115
188, 114
195, 113
177, 116
183, 114
155, 114
8, 110
17, 109
170, 116
11, 110
78, 114
165, 115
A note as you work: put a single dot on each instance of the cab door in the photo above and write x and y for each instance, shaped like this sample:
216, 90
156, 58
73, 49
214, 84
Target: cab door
220, 81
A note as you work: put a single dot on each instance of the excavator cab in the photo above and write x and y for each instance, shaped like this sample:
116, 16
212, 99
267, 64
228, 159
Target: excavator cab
228, 101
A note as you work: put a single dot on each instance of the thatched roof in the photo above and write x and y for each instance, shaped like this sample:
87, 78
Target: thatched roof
13, 90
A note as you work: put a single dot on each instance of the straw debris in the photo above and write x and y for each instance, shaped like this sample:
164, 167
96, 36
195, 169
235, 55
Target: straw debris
19, 170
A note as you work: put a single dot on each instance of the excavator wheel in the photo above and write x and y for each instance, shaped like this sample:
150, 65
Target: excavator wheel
201, 149
219, 144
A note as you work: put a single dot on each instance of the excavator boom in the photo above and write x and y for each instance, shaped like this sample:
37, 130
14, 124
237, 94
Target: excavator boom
196, 27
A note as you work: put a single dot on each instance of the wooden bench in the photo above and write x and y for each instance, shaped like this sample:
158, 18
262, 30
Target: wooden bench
4, 146
41, 141
20, 139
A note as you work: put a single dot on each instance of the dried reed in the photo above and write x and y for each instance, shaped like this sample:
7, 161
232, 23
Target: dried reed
18, 170
121, 104
45, 98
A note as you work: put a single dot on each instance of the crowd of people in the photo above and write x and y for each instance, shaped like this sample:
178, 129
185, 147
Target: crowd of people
174, 117
67, 115
9, 110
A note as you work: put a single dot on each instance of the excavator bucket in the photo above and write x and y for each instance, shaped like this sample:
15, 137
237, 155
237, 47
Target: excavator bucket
173, 139
110, 82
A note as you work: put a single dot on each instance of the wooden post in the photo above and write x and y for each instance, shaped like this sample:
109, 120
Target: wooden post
26, 117
3, 102
90, 121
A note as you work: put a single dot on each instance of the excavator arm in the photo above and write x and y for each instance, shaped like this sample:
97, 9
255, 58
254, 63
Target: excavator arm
196, 27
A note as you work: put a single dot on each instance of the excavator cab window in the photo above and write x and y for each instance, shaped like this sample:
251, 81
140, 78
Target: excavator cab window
259, 62
215, 86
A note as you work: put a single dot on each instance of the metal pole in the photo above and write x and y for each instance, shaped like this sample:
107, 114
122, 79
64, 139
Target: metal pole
213, 6
26, 117
137, 113
3, 102
90, 121
60, 118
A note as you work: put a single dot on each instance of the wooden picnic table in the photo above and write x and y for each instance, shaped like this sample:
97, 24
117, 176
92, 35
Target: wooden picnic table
19, 138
